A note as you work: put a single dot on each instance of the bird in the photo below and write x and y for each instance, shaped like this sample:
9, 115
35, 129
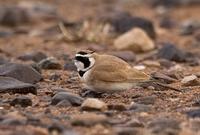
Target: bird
105, 73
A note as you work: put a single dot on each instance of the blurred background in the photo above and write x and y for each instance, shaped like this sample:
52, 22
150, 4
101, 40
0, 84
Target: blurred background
160, 37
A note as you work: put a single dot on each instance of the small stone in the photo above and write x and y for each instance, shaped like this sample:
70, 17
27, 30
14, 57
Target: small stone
172, 53
135, 40
189, 27
11, 85
191, 80
89, 119
166, 63
163, 77
22, 101
13, 16
55, 77
164, 126
140, 107
128, 131
139, 67
167, 22
125, 55
3, 60
92, 104
49, 63
194, 113
70, 132
70, 66
149, 100
21, 72
73, 99
4, 34
35, 56
118, 107
13, 122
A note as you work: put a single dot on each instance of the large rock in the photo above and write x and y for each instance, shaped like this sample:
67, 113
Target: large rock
20, 72
11, 85
124, 21
135, 40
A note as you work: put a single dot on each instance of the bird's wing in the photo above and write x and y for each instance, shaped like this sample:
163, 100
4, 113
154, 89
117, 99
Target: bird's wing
116, 72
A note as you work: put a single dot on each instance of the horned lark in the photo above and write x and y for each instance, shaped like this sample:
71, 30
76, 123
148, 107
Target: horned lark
107, 73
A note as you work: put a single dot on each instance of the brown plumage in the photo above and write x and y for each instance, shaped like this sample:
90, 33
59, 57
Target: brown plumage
107, 73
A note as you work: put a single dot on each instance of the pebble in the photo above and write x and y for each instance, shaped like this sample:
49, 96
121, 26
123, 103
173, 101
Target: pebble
171, 52
128, 131
125, 55
11, 85
135, 107
188, 27
65, 97
34, 56
13, 16
167, 22
164, 126
191, 80
148, 100
93, 104
70, 66
163, 77
151, 63
3, 60
22, 101
135, 40
49, 63
118, 107
89, 119
194, 113
20, 72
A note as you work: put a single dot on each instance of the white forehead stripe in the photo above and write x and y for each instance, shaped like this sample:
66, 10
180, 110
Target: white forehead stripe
87, 55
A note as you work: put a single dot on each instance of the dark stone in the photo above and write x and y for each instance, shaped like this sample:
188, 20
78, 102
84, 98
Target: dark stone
3, 60
49, 63
11, 85
167, 23
22, 101
195, 113
123, 22
166, 3
55, 77
21, 72
35, 56
163, 77
70, 66
4, 34
189, 27
128, 131
196, 102
13, 16
164, 126
140, 108
12, 122
149, 100
171, 52
73, 99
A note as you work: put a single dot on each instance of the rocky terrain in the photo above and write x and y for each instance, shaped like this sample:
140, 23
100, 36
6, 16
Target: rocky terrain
40, 91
